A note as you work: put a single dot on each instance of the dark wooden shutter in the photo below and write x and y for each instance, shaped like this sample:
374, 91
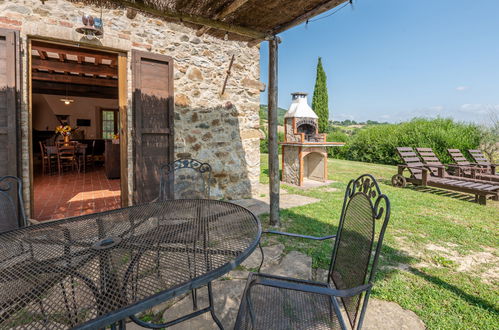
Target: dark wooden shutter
153, 121
9, 105
8, 102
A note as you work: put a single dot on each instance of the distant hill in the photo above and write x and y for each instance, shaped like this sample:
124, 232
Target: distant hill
280, 114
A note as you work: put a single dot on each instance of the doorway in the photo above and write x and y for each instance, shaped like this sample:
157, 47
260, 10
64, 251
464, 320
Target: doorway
76, 157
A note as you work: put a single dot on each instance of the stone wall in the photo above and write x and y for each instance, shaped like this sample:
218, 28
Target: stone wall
291, 165
221, 130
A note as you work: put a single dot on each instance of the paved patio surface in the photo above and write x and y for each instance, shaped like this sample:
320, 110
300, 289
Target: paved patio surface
228, 291
260, 203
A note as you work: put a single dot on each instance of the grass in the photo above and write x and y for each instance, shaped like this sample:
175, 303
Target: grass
440, 254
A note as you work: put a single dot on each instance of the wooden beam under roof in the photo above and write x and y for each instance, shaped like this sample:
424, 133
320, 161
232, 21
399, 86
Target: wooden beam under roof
325, 6
70, 79
232, 7
84, 68
55, 88
243, 31
70, 50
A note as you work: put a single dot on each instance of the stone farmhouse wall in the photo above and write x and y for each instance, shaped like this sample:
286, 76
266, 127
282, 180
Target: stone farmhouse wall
223, 131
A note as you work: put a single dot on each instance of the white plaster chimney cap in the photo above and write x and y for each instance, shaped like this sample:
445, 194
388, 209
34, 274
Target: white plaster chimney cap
299, 108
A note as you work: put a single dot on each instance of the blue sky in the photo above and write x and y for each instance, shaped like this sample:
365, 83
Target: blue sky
391, 60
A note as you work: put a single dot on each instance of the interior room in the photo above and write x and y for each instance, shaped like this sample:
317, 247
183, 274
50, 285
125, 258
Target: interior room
75, 130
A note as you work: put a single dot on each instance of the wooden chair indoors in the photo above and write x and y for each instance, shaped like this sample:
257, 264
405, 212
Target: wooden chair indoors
90, 156
66, 157
47, 159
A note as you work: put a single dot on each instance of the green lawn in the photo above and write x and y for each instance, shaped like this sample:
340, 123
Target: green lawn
440, 255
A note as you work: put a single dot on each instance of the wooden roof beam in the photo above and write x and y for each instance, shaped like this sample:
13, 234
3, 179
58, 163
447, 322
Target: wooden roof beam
70, 50
56, 88
88, 68
213, 24
69, 79
232, 7
325, 6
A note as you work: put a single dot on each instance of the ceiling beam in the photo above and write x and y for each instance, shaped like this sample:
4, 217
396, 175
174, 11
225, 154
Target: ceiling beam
232, 7
55, 88
69, 79
88, 68
243, 31
69, 50
325, 6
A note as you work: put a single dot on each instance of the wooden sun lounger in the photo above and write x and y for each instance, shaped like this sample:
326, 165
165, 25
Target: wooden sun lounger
468, 169
481, 160
424, 175
431, 160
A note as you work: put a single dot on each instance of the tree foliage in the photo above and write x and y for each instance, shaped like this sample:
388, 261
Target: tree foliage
320, 98
490, 137
377, 143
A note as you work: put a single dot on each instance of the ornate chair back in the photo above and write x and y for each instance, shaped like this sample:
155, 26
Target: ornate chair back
356, 250
185, 179
11, 204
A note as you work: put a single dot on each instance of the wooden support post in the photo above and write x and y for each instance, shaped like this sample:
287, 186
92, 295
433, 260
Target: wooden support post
272, 122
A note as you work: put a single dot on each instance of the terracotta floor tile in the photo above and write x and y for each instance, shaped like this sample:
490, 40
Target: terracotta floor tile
74, 194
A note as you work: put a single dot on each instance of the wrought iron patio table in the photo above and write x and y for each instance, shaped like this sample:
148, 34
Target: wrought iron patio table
95, 270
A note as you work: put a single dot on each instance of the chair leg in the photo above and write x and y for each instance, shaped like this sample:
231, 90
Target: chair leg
263, 256
212, 308
194, 294
481, 199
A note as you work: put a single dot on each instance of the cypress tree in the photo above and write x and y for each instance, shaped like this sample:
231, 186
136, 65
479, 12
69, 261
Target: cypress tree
320, 99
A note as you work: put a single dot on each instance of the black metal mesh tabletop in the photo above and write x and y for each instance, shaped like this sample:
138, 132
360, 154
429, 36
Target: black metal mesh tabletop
92, 270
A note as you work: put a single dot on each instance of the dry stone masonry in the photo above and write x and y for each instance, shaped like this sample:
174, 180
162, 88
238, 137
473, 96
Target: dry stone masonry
220, 130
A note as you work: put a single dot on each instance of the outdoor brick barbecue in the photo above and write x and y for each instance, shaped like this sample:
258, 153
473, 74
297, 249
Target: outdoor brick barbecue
304, 154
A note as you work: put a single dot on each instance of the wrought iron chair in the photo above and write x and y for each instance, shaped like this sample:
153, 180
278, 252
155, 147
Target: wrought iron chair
185, 179
274, 302
11, 204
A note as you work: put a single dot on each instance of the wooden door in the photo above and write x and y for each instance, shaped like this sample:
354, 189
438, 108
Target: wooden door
153, 121
9, 105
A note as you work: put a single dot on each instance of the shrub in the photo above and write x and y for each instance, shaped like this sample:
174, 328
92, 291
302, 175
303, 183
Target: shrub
376, 144
337, 136
264, 143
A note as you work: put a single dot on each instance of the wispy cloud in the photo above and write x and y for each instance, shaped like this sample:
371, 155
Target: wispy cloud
461, 88
437, 108
466, 112
478, 109
343, 116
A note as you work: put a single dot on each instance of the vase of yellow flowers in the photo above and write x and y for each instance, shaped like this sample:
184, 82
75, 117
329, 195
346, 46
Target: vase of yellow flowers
65, 131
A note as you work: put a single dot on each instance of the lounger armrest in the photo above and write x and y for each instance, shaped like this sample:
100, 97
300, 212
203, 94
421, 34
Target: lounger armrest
299, 235
312, 288
440, 169
433, 166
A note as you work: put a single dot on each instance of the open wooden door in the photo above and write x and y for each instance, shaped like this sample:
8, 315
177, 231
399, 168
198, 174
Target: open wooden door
153, 110
9, 109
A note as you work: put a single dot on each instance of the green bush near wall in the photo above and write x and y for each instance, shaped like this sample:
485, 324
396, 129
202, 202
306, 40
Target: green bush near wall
264, 143
376, 144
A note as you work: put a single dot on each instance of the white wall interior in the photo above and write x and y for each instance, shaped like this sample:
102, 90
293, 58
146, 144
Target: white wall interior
45, 107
